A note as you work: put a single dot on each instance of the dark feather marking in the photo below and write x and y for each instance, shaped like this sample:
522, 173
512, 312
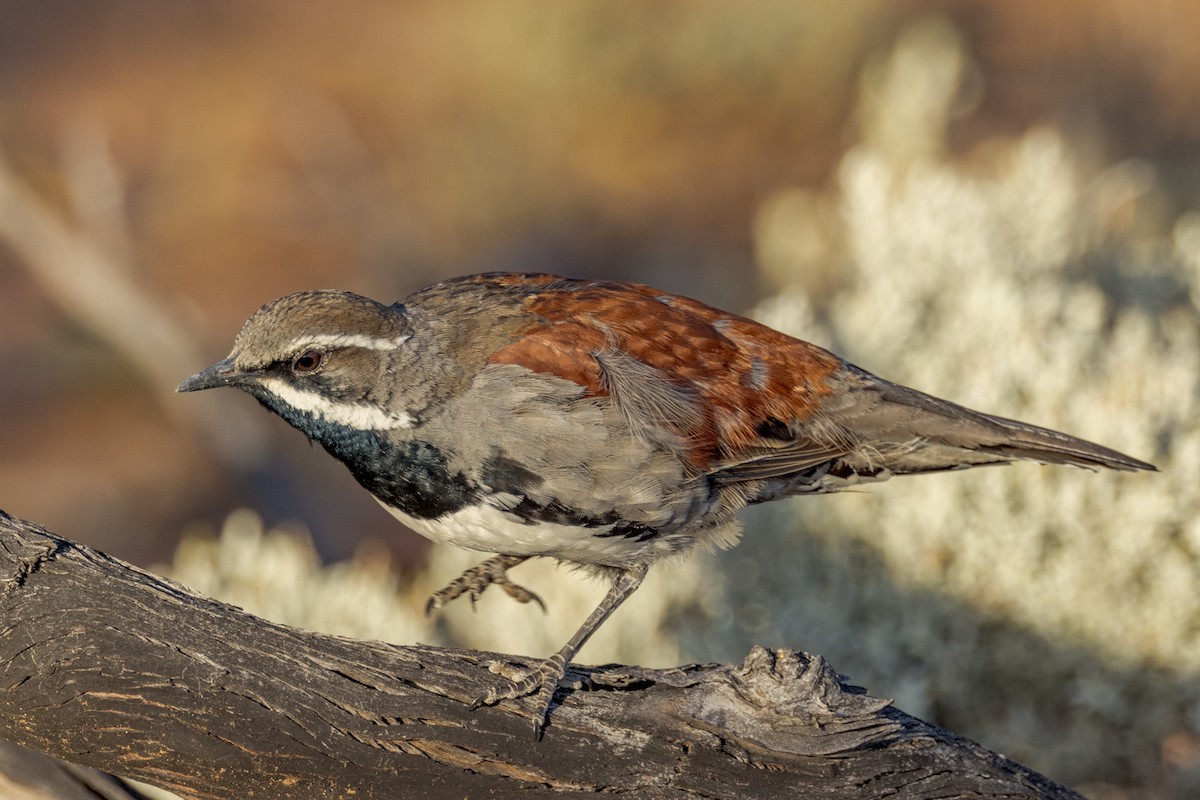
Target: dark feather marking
775, 428
531, 512
411, 475
503, 474
506, 475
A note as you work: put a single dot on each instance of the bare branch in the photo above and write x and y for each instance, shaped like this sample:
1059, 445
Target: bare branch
106, 665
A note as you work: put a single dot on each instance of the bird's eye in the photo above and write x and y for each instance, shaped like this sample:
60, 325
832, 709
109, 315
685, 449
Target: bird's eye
307, 362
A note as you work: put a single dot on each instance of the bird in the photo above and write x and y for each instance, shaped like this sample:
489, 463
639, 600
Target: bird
604, 424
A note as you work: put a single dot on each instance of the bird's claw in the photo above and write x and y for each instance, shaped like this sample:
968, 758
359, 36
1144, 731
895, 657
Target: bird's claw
474, 580
519, 593
543, 679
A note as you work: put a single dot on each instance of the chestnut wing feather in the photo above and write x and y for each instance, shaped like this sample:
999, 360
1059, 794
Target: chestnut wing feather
715, 388
746, 404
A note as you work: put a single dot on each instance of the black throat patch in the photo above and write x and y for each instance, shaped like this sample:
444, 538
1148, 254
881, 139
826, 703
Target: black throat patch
406, 474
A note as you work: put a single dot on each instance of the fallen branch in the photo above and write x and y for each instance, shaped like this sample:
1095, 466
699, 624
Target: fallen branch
106, 665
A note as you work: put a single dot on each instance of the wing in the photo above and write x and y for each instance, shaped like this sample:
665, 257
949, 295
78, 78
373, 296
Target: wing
751, 407
721, 391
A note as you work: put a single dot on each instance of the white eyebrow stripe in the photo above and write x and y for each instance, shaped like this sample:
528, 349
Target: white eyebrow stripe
349, 340
359, 416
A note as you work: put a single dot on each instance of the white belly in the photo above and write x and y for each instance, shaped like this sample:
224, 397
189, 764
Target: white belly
492, 530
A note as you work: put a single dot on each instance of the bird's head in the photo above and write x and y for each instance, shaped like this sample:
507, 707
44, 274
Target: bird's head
320, 359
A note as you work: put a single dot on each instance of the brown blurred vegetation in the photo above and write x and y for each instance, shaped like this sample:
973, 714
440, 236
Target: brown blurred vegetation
220, 154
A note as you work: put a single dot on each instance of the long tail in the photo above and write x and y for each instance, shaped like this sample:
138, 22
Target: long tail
941, 435
1031, 443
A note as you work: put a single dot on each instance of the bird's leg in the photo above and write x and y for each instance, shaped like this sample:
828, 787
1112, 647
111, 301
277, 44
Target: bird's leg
478, 578
545, 678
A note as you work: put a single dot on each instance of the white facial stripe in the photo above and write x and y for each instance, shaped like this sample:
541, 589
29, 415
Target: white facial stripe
348, 340
359, 416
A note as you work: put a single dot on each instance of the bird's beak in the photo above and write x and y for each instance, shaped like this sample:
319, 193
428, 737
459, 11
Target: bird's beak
222, 373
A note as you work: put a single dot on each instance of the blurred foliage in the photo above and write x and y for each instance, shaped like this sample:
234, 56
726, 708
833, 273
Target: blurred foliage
995, 202
1047, 612
222, 153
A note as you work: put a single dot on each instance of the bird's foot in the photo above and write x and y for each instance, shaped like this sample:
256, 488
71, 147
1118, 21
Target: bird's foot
543, 679
479, 577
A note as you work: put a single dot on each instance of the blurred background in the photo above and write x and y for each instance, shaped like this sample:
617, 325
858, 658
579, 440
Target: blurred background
996, 202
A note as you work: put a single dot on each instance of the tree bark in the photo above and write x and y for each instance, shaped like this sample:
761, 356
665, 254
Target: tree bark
106, 665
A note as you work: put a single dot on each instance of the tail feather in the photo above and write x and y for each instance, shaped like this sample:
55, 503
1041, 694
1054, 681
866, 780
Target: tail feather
929, 434
872, 430
1031, 443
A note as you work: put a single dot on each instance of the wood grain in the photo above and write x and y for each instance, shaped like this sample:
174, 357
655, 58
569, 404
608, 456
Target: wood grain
105, 665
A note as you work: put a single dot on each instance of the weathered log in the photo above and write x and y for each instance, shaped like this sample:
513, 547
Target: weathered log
109, 666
